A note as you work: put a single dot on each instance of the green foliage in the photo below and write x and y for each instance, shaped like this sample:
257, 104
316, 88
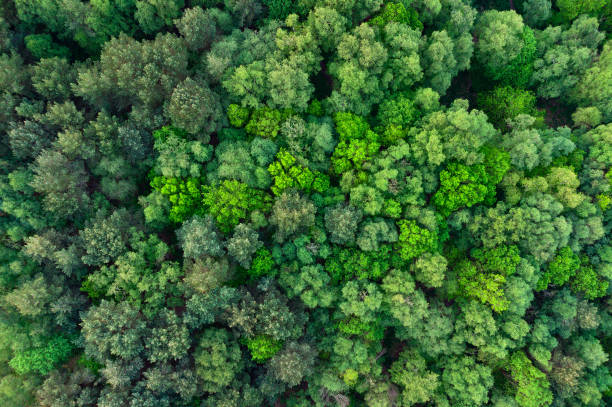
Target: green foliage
415, 240
353, 155
588, 283
532, 386
410, 372
42, 46
237, 115
293, 363
465, 186
519, 70
43, 359
251, 203
243, 244
232, 201
357, 143
347, 264
460, 186
262, 264
184, 196
290, 214
506, 48
503, 103
341, 222
594, 88
139, 277
536, 12
218, 359
264, 122
198, 237
397, 13
564, 56
572, 9
560, 269
194, 107
153, 15
467, 382
263, 347
485, 278
279, 9
288, 174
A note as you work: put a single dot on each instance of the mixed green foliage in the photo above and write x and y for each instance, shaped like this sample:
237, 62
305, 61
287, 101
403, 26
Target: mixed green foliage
305, 203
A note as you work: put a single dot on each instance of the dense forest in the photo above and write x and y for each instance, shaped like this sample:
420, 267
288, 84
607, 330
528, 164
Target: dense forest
292, 203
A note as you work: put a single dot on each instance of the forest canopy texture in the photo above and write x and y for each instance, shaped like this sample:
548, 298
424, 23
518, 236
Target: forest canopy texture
293, 203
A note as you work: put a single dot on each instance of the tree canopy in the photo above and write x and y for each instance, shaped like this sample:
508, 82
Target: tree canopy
305, 203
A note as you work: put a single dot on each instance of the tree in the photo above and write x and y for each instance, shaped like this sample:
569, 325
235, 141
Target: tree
360, 60
42, 46
263, 347
439, 62
153, 15
376, 232
415, 240
63, 387
346, 264
505, 103
485, 279
237, 115
532, 387
264, 122
312, 284
309, 142
570, 10
43, 359
184, 196
287, 173
14, 82
232, 201
199, 27
291, 213
587, 116
589, 283
397, 12
327, 25
430, 269
113, 330
564, 56
505, 48
466, 381
245, 162
404, 302
249, 203
106, 239
262, 264
537, 12
243, 244
150, 70
169, 338
593, 88
199, 237
29, 139
403, 62
61, 181
218, 359
294, 362
139, 277
454, 134
463, 186
417, 382
341, 222
194, 107
530, 148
